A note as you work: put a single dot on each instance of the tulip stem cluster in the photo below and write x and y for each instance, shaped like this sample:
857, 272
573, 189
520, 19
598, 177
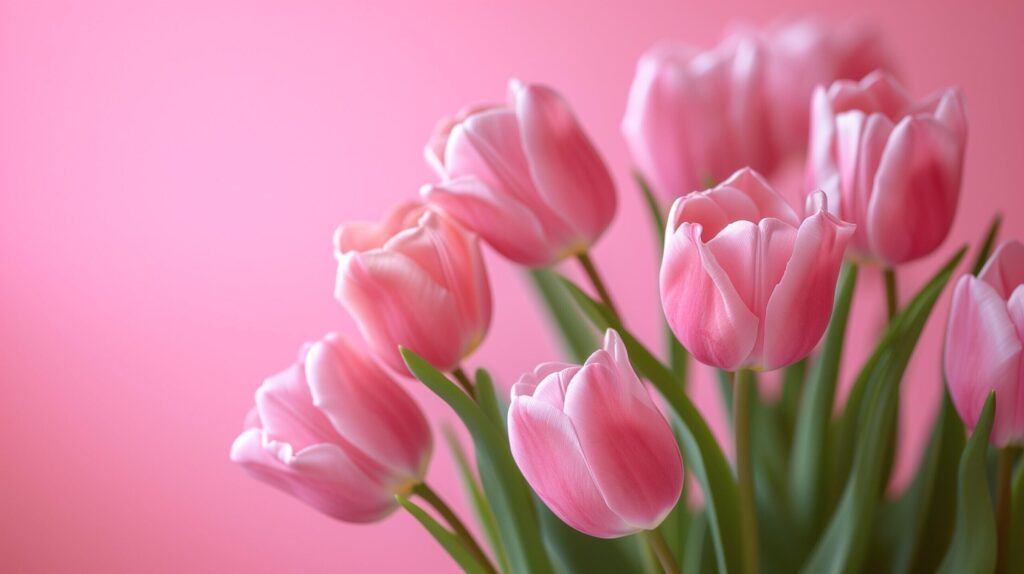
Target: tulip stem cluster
743, 383
892, 303
662, 551
464, 381
595, 279
438, 504
1007, 458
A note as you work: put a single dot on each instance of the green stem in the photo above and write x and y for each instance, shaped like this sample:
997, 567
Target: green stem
595, 280
431, 498
742, 396
891, 296
464, 382
662, 551
1007, 456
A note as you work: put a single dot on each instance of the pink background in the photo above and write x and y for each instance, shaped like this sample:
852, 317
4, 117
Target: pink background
171, 174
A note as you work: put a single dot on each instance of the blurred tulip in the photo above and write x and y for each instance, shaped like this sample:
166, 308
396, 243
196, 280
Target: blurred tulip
693, 118
417, 280
744, 282
593, 445
337, 432
524, 176
888, 164
804, 54
984, 336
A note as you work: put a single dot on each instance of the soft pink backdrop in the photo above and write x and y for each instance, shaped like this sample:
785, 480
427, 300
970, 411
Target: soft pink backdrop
170, 176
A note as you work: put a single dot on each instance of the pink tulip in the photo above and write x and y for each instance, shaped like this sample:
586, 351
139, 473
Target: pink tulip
593, 445
804, 54
888, 164
417, 280
524, 176
693, 118
984, 340
337, 432
744, 282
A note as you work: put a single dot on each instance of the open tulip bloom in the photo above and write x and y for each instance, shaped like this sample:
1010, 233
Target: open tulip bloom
602, 463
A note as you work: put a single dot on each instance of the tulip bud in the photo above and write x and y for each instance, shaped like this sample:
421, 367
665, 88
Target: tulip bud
524, 176
417, 280
744, 282
693, 118
593, 445
984, 339
337, 432
889, 164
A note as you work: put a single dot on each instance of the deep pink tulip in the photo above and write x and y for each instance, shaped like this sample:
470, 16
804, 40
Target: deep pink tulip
593, 445
524, 176
889, 164
337, 432
418, 280
744, 282
804, 54
984, 340
693, 118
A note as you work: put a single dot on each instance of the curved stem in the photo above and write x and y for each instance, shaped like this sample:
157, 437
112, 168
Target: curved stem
662, 551
431, 498
892, 304
595, 280
1007, 456
464, 381
744, 467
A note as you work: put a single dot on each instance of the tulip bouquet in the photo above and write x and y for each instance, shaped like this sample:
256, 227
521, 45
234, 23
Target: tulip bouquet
592, 465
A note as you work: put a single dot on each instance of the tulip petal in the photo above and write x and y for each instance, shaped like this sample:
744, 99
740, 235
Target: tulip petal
365, 235
627, 444
693, 284
554, 386
368, 408
568, 171
285, 410
321, 475
983, 350
1010, 416
917, 188
801, 304
1005, 268
860, 142
547, 451
767, 202
414, 301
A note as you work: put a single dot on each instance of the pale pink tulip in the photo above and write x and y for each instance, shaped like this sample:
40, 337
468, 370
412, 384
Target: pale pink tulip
744, 282
337, 432
984, 340
418, 280
804, 54
524, 176
889, 164
593, 445
693, 118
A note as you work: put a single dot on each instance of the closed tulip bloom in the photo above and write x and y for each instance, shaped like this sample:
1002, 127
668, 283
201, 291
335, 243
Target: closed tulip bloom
984, 339
888, 163
418, 280
593, 445
693, 118
804, 54
745, 283
337, 432
524, 176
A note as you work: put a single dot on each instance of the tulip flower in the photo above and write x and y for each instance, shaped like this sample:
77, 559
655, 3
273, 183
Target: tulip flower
523, 176
804, 54
593, 445
337, 432
693, 118
984, 340
418, 280
744, 282
889, 164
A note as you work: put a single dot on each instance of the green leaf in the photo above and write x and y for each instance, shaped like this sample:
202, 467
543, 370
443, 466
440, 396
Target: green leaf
574, 551
973, 549
700, 449
843, 547
507, 491
577, 335
488, 401
1016, 558
986, 245
481, 508
448, 540
807, 466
